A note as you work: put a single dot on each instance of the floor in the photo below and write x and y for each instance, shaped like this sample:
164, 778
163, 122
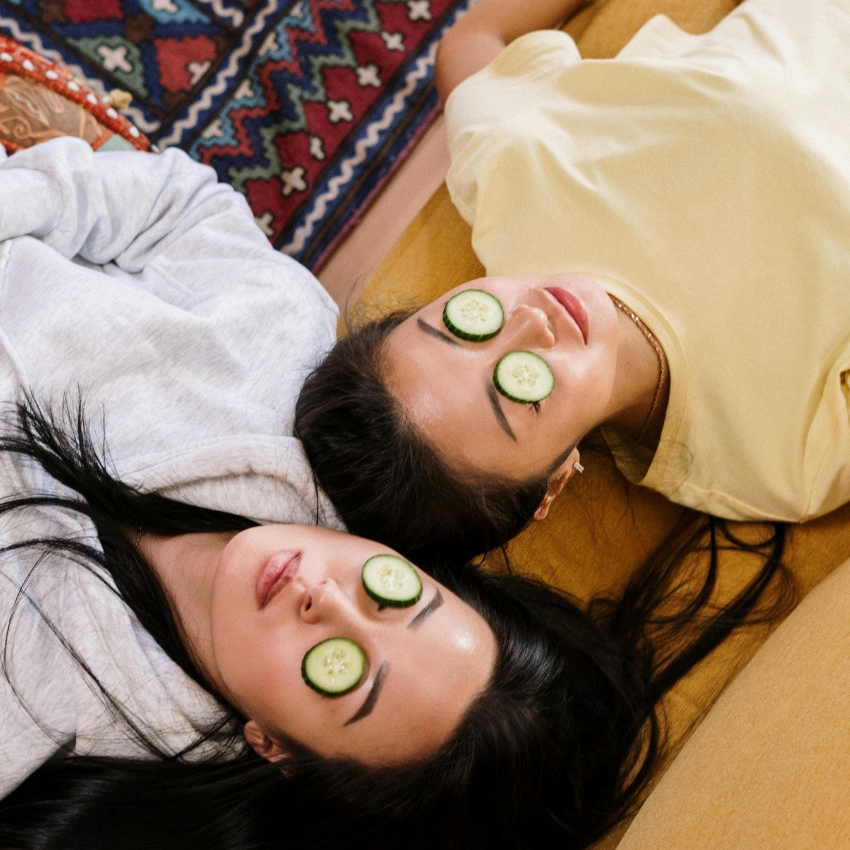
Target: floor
421, 174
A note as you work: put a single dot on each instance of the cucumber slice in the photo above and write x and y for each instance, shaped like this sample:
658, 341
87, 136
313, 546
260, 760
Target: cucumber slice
473, 315
524, 377
391, 581
334, 667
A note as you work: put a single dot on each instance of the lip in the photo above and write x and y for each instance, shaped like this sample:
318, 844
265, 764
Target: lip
572, 306
278, 571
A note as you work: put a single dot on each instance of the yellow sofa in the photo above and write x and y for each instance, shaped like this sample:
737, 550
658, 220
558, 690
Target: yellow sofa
722, 789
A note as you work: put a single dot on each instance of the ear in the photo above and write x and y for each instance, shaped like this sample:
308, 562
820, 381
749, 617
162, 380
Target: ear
262, 743
556, 483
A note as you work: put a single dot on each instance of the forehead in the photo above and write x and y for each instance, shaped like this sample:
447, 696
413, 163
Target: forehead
434, 378
434, 674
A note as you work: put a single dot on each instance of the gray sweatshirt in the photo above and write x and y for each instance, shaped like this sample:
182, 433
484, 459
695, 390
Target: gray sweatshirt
140, 282
48, 703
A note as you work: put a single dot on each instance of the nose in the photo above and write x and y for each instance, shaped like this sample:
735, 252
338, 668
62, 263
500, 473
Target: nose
326, 601
529, 327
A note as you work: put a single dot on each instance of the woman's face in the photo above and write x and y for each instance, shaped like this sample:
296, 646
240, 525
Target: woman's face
280, 590
446, 384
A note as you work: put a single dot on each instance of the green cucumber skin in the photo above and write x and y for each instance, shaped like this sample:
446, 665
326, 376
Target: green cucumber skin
510, 396
393, 603
466, 335
385, 601
317, 687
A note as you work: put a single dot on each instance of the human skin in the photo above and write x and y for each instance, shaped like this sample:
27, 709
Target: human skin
436, 655
605, 372
484, 32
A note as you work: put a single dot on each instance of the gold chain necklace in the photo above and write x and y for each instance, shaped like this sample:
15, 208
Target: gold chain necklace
659, 352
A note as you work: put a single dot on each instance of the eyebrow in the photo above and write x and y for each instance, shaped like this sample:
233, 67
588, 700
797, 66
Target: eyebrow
430, 608
493, 396
426, 328
369, 703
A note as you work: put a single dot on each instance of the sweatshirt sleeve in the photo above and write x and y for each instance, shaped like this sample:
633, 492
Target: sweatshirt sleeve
124, 207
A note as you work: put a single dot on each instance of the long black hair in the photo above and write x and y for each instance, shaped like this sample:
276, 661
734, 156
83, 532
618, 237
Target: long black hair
387, 482
555, 751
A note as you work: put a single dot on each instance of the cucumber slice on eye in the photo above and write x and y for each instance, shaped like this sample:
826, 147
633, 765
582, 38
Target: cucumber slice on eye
334, 667
391, 581
524, 377
473, 315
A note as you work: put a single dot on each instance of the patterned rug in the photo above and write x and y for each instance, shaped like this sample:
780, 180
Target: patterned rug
304, 106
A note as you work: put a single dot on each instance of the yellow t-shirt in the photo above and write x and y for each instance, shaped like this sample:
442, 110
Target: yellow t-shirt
705, 181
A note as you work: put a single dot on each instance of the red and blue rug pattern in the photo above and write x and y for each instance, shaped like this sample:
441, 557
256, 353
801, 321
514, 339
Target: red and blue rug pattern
305, 107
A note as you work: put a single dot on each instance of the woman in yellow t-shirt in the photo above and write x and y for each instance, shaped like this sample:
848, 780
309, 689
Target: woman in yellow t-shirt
668, 231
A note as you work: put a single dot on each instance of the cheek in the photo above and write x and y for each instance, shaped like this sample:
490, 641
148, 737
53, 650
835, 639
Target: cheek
582, 392
595, 368
254, 667
266, 686
271, 692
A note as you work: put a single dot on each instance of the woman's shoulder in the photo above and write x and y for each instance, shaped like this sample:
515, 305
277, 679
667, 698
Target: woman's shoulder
516, 80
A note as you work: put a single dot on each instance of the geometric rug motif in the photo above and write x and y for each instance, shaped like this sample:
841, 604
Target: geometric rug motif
306, 107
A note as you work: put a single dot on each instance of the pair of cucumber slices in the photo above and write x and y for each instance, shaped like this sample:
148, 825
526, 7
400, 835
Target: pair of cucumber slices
336, 665
476, 316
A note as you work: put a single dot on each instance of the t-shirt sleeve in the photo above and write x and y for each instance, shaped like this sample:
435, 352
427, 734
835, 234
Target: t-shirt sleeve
479, 109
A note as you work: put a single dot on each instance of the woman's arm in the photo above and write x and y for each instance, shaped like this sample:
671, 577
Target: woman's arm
481, 35
122, 207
